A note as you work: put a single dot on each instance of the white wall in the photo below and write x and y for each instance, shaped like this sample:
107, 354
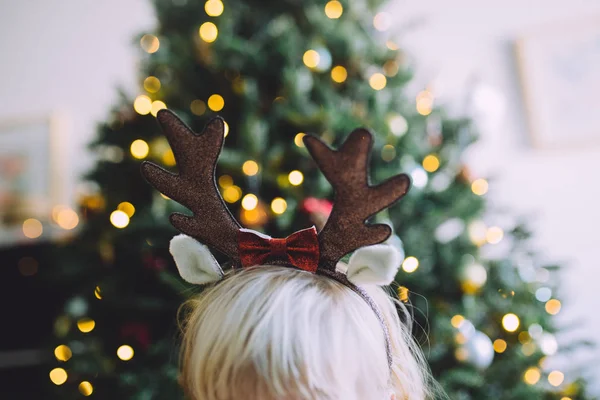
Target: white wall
70, 55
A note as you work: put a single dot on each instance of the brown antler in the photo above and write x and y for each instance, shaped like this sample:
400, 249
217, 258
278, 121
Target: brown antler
194, 187
354, 199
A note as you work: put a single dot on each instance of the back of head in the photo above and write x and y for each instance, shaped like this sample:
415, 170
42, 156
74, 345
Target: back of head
278, 333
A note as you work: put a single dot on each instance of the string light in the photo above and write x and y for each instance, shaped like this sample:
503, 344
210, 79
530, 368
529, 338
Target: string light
457, 321
295, 177
168, 158
431, 163
553, 307
127, 208
388, 152
232, 193
339, 74
58, 376
524, 337
403, 293
86, 388
377, 81
398, 124
479, 186
125, 352
139, 149
311, 58
216, 102
556, 378
477, 232
249, 202
208, 32
32, 228
382, 21
410, 264
213, 8
150, 43
298, 139
391, 68
510, 322
532, 376
494, 235
197, 107
278, 205
63, 353
225, 129
500, 346
98, 293
86, 325
152, 84
334, 9
250, 168
157, 105
67, 219
425, 102
142, 104
225, 181
391, 45
119, 219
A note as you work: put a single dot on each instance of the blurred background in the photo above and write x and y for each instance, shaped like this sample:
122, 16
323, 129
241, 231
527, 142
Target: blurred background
526, 77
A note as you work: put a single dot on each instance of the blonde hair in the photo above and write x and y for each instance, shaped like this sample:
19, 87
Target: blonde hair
274, 333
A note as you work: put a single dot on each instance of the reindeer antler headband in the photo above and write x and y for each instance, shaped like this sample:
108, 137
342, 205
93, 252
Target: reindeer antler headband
212, 224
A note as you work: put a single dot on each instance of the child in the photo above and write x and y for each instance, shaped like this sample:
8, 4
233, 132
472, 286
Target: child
290, 321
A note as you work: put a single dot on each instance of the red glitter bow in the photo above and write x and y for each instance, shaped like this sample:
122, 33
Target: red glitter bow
300, 249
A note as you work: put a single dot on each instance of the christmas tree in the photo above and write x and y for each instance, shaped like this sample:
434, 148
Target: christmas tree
276, 70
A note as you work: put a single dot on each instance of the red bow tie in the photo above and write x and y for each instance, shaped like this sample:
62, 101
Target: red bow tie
300, 249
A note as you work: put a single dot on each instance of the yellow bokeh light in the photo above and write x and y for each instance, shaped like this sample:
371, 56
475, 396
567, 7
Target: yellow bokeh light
339, 74
391, 68
32, 228
388, 152
510, 322
298, 139
232, 193
500, 346
63, 353
249, 202
461, 354
125, 352
58, 376
225, 129
208, 32
425, 102
431, 163
119, 219
67, 218
334, 9
556, 378
311, 58
168, 158
157, 105
532, 376
216, 102
142, 104
86, 388
127, 208
460, 338
480, 186
278, 205
553, 307
391, 45
377, 81
403, 293
494, 234
197, 107
250, 168
213, 8
225, 181
457, 320
98, 293
382, 21
150, 43
295, 177
139, 149
152, 84
524, 337
410, 264
86, 325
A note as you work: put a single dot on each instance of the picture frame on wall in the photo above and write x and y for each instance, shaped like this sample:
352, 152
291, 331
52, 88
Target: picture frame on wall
560, 75
32, 177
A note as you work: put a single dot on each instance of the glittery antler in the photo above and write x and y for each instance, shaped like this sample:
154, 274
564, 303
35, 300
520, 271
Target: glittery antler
195, 187
354, 199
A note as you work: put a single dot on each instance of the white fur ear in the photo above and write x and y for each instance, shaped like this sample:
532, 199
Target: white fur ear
194, 261
374, 265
